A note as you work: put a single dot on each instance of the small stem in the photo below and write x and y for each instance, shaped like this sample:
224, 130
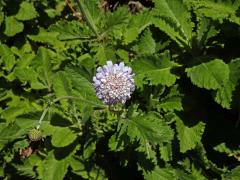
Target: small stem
87, 17
61, 98
75, 13
42, 116
76, 117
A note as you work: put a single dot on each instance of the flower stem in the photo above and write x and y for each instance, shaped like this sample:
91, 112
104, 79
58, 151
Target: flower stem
42, 116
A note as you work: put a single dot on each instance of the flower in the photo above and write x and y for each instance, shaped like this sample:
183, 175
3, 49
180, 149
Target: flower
114, 83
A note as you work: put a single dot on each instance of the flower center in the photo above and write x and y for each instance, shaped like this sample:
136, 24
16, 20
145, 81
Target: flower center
116, 82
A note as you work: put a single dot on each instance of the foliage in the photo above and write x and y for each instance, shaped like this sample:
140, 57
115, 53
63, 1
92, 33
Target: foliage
182, 121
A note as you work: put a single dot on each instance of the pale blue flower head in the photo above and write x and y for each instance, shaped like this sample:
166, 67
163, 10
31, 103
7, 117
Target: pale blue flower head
114, 83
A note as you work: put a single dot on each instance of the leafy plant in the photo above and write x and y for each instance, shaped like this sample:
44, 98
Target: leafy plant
182, 121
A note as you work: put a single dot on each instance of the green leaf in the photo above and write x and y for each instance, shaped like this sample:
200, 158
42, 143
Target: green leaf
17, 106
224, 149
150, 127
205, 31
172, 102
10, 132
202, 157
62, 86
149, 130
54, 168
1, 17
136, 25
224, 94
166, 174
234, 174
116, 20
42, 63
78, 167
166, 152
160, 173
27, 11
81, 84
62, 136
103, 53
23, 75
211, 9
7, 57
13, 26
210, 75
155, 69
49, 38
1, 172
173, 18
189, 137
70, 30
146, 45
89, 10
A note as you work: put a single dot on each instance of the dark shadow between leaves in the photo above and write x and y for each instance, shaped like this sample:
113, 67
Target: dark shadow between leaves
63, 152
57, 120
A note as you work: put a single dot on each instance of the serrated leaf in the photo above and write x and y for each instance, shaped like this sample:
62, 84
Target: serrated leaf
205, 31
27, 11
42, 64
210, 75
166, 174
136, 25
150, 127
62, 136
70, 30
81, 83
189, 137
166, 151
49, 38
173, 18
211, 9
90, 13
62, 86
116, 20
13, 26
10, 132
146, 44
224, 94
155, 69
224, 149
23, 75
171, 104
234, 174
103, 53
7, 57
149, 130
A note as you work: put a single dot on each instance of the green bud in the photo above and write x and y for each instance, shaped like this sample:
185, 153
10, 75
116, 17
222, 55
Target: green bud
35, 135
